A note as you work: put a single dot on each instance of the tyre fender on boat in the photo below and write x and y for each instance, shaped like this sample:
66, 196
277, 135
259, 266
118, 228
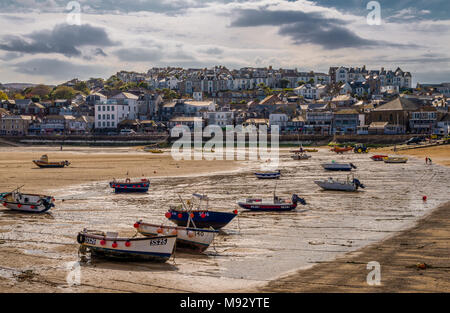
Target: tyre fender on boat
353, 165
81, 238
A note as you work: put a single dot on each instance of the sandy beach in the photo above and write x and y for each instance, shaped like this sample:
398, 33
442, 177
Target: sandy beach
415, 260
36, 250
91, 164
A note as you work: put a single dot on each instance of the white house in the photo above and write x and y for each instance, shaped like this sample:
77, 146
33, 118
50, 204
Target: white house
309, 91
279, 119
108, 114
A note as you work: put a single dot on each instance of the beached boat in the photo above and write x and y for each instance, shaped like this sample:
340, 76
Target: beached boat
129, 186
333, 184
157, 248
268, 175
31, 203
395, 160
44, 163
378, 157
301, 150
153, 150
276, 204
198, 216
338, 166
300, 156
188, 238
341, 149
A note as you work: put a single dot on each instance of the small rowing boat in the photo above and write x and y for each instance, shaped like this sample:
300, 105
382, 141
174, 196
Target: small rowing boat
276, 204
378, 157
341, 150
30, 203
188, 238
129, 186
332, 184
338, 166
153, 150
200, 217
395, 160
269, 175
157, 248
44, 163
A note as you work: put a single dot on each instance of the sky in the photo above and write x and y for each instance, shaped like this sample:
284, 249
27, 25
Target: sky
52, 41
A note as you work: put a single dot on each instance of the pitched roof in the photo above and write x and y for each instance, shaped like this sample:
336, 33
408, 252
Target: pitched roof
399, 104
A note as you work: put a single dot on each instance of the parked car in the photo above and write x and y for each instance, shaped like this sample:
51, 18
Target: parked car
127, 132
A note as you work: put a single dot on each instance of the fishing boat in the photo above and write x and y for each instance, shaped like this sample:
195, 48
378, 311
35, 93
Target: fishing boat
395, 160
333, 184
341, 149
300, 156
98, 243
188, 238
44, 163
338, 166
378, 157
269, 175
301, 150
31, 203
276, 204
130, 186
201, 217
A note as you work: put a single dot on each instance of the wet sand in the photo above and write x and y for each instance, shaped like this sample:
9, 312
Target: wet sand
35, 251
415, 260
91, 164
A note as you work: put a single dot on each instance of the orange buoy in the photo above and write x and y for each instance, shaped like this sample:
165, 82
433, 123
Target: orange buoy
235, 211
159, 230
180, 215
203, 215
168, 215
127, 244
114, 245
424, 198
103, 242
192, 215
136, 225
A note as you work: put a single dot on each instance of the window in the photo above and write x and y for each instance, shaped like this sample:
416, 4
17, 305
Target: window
99, 124
99, 116
112, 108
107, 108
112, 116
112, 124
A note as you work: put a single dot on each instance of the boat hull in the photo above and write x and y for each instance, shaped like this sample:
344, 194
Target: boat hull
130, 187
337, 167
267, 207
155, 249
212, 219
379, 158
268, 175
395, 161
336, 186
50, 165
188, 239
27, 203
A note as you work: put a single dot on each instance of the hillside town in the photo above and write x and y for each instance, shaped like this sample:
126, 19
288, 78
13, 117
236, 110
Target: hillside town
346, 100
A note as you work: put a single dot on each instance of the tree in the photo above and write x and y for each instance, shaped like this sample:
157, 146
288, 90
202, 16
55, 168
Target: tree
41, 91
63, 92
83, 87
311, 81
18, 96
3, 96
284, 83
300, 83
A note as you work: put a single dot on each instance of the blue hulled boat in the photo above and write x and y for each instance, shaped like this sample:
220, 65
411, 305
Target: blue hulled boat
129, 186
200, 218
269, 175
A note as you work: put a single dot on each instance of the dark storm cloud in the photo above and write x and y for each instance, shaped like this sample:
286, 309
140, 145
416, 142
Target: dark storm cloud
63, 39
304, 28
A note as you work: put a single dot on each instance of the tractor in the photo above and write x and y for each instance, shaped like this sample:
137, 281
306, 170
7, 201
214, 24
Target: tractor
361, 149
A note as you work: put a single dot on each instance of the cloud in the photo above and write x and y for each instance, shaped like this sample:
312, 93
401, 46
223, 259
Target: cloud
62, 39
305, 28
139, 54
58, 69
